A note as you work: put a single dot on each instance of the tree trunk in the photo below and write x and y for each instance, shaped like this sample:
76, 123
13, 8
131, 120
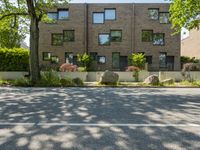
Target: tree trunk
34, 42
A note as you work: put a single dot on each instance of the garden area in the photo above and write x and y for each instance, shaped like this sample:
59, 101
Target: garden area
68, 75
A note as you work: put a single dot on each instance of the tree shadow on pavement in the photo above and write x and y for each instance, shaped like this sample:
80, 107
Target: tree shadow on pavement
99, 106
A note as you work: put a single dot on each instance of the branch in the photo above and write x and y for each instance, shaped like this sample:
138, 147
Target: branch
13, 14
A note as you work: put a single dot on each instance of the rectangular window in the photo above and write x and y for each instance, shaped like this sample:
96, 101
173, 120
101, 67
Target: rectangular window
116, 35
164, 17
104, 39
158, 39
94, 55
147, 35
101, 59
69, 57
57, 39
162, 60
68, 36
170, 63
63, 14
110, 14
148, 59
98, 18
153, 13
52, 15
75, 60
46, 56
115, 60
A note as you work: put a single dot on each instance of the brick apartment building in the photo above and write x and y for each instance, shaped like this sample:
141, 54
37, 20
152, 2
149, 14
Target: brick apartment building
110, 33
190, 46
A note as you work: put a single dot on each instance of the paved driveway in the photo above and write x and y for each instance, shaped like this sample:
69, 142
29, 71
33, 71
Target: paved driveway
99, 118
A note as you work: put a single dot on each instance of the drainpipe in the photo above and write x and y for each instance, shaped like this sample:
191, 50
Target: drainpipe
86, 29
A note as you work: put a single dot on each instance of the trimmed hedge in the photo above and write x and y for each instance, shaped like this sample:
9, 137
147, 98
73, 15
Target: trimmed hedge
16, 59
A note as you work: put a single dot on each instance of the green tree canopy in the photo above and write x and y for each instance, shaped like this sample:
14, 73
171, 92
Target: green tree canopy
35, 11
11, 33
185, 13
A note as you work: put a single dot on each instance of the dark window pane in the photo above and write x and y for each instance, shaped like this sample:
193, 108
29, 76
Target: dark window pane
153, 13
164, 17
162, 60
69, 36
101, 59
170, 63
69, 57
46, 56
104, 39
116, 36
158, 39
149, 59
98, 17
115, 60
147, 35
93, 55
63, 14
57, 39
75, 60
52, 15
110, 14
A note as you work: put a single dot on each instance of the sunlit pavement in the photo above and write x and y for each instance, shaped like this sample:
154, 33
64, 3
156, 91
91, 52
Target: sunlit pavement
99, 118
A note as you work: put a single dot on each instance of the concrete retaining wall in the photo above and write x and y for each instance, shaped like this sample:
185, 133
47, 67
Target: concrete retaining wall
10, 75
95, 76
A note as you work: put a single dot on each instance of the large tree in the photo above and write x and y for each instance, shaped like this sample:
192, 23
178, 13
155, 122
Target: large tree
11, 34
35, 11
185, 13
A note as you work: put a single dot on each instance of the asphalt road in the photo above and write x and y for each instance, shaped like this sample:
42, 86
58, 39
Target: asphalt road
99, 118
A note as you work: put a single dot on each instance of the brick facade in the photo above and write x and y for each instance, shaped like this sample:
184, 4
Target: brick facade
131, 19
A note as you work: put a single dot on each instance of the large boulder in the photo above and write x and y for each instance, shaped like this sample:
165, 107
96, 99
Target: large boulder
109, 77
153, 80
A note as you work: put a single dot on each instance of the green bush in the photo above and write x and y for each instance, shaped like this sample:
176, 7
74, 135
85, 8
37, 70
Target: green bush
85, 61
137, 60
21, 82
66, 82
49, 78
77, 81
16, 59
186, 59
82, 69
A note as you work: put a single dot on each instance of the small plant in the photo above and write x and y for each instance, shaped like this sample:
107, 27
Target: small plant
49, 78
77, 81
21, 82
4, 82
82, 69
66, 82
138, 62
85, 60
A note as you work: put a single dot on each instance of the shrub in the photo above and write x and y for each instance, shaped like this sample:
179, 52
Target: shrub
132, 68
77, 81
49, 78
21, 82
66, 82
85, 60
186, 59
16, 59
137, 60
68, 68
82, 69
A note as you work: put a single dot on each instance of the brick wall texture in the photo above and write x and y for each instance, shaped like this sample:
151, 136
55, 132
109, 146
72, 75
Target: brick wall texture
130, 18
